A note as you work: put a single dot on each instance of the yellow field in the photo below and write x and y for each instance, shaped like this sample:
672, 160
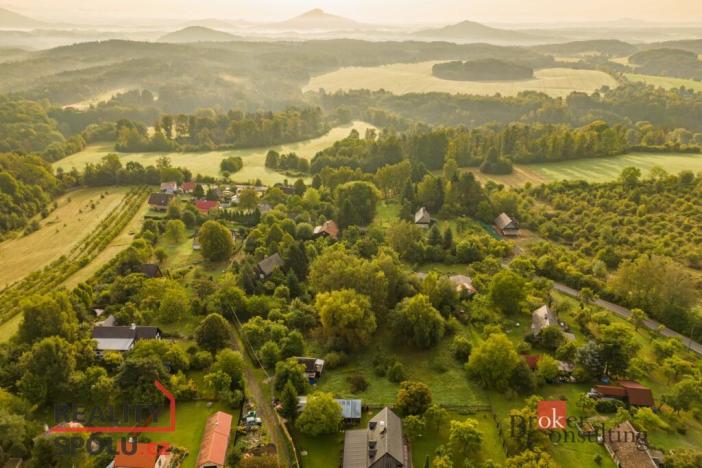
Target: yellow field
665, 82
60, 231
207, 163
403, 78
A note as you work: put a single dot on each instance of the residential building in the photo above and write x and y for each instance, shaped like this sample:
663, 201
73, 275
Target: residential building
204, 206
351, 410
380, 445
629, 391
160, 201
627, 448
122, 338
422, 218
269, 264
463, 284
506, 225
541, 318
169, 187
146, 455
150, 270
328, 229
188, 187
313, 367
215, 441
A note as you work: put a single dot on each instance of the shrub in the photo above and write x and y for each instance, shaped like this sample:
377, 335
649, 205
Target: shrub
461, 348
201, 360
608, 406
396, 373
334, 359
357, 382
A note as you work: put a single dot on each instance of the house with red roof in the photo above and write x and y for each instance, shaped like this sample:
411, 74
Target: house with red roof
628, 391
188, 187
215, 441
204, 206
147, 455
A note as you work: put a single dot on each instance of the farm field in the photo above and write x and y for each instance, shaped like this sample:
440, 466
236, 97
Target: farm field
59, 232
119, 243
594, 170
207, 163
665, 81
403, 78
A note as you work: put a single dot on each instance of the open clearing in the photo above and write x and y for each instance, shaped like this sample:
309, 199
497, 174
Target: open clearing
403, 78
102, 97
665, 82
207, 163
65, 227
594, 169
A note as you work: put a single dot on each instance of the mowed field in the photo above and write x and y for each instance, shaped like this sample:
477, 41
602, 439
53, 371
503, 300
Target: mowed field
207, 163
403, 78
665, 82
594, 170
74, 219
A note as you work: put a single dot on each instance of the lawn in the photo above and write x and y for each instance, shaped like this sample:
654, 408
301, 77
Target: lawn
403, 78
207, 163
435, 367
594, 169
191, 417
9, 328
66, 226
665, 82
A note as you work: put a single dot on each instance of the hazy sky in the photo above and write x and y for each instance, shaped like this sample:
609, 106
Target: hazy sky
377, 11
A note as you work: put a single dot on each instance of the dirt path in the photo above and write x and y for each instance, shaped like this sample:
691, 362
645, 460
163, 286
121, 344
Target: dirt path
264, 404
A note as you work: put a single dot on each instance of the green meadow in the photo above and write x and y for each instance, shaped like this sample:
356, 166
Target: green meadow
207, 163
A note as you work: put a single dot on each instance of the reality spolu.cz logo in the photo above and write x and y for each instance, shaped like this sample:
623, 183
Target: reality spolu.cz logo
76, 418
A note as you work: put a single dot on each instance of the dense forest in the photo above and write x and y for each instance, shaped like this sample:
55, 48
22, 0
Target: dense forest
27, 187
668, 62
626, 104
482, 70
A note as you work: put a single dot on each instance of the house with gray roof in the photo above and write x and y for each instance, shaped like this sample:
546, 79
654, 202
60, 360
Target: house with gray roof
506, 225
269, 264
541, 318
121, 338
351, 410
422, 218
380, 445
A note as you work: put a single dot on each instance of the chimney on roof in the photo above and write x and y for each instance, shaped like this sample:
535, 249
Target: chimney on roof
371, 425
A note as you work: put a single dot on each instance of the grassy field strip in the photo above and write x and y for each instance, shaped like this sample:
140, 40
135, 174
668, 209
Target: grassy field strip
53, 275
207, 163
593, 170
403, 78
118, 244
665, 82
78, 213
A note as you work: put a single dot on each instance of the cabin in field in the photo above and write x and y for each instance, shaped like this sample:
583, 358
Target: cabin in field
422, 218
160, 201
313, 367
627, 448
379, 445
215, 441
123, 338
629, 391
269, 264
506, 225
328, 229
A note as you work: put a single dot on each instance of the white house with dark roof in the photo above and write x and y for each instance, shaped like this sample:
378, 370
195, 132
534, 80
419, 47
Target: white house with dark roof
422, 218
380, 445
122, 338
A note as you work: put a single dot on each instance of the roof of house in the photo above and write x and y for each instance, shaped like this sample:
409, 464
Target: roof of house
636, 393
383, 437
150, 270
565, 366
160, 199
144, 457
215, 440
188, 186
611, 390
329, 228
264, 208
541, 318
169, 185
109, 321
463, 283
204, 206
311, 364
623, 443
269, 264
532, 360
350, 409
504, 221
422, 216
119, 338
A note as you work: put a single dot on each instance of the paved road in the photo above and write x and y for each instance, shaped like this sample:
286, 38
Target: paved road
626, 313
622, 312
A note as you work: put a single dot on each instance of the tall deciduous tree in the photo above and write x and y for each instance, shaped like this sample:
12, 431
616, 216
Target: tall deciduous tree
213, 333
418, 322
321, 415
346, 317
216, 241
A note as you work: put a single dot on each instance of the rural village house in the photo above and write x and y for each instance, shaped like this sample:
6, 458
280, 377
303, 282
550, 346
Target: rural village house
422, 218
629, 391
188, 187
313, 367
169, 187
150, 270
204, 206
351, 410
329, 229
506, 225
160, 201
380, 445
123, 338
626, 447
146, 456
215, 441
269, 264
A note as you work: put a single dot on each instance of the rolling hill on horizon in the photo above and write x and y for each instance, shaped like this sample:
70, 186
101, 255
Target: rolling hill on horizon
317, 19
197, 34
471, 31
11, 20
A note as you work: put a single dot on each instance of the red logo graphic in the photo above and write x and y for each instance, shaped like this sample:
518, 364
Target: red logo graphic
551, 414
170, 428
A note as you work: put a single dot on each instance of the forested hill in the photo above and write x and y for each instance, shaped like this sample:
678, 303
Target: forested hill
267, 75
